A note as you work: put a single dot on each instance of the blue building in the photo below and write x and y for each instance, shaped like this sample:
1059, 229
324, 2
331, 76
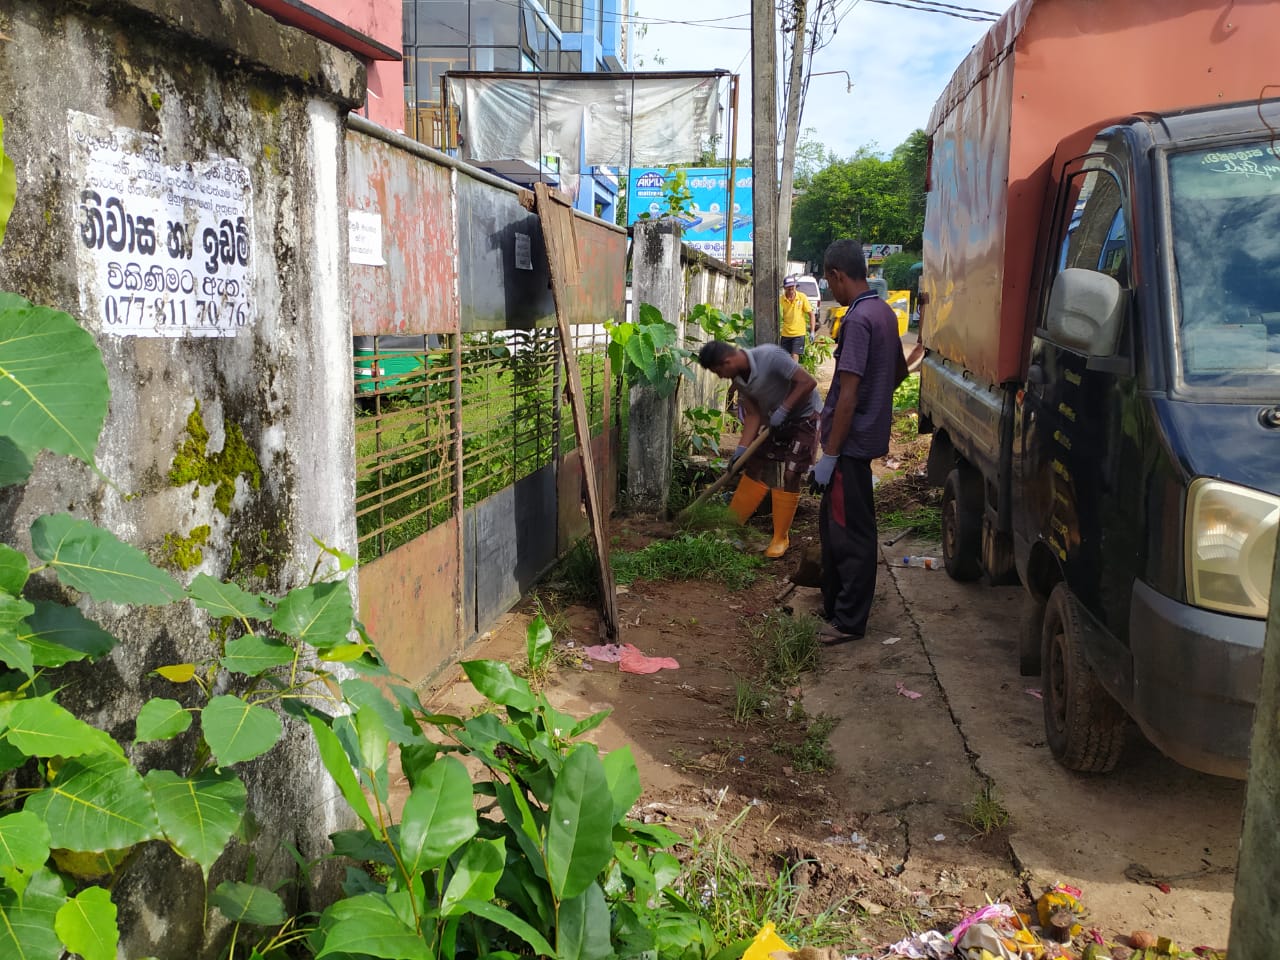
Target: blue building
564, 36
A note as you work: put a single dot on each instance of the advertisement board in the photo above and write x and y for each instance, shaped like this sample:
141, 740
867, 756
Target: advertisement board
876, 252
705, 219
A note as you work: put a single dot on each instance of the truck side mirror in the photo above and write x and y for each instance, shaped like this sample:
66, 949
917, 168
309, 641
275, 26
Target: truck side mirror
1085, 310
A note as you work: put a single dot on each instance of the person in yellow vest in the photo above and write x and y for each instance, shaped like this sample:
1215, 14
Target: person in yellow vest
797, 318
779, 393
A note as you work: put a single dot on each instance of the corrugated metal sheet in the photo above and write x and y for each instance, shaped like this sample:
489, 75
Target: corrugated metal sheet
414, 292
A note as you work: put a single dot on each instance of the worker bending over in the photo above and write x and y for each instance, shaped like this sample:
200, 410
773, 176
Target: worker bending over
777, 392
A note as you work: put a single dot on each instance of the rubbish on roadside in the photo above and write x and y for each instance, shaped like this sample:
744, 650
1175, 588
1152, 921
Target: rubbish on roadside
604, 652
1141, 939
890, 640
930, 945
939, 837
766, 943
929, 563
1059, 911
633, 661
982, 940
1034, 692
909, 694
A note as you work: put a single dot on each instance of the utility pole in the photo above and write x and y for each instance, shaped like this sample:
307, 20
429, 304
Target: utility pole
794, 83
764, 158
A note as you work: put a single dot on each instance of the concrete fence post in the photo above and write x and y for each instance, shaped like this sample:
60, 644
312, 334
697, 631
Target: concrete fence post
656, 279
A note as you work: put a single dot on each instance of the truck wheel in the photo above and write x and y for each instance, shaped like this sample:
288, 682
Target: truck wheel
962, 524
1085, 727
1031, 638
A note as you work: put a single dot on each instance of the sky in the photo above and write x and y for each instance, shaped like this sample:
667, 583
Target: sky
899, 61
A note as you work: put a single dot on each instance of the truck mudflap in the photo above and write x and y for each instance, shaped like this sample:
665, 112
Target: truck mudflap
1195, 681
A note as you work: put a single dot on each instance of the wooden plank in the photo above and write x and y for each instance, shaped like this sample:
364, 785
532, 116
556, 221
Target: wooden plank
562, 257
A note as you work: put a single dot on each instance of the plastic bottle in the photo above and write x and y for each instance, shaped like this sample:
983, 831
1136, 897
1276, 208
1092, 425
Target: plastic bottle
929, 563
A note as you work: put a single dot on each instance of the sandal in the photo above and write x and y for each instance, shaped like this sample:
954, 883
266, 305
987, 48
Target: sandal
829, 635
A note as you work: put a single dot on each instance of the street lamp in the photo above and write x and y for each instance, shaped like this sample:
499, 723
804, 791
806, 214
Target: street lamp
848, 79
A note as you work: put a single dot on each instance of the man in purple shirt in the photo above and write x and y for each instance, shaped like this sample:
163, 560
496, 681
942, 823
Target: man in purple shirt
853, 431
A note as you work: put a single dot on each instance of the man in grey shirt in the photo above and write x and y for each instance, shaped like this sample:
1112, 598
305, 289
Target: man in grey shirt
777, 391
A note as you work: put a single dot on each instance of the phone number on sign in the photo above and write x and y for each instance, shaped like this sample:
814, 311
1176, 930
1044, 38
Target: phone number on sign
137, 312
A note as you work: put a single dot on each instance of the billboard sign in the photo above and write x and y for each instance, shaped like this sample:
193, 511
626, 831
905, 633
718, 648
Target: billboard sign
705, 220
876, 252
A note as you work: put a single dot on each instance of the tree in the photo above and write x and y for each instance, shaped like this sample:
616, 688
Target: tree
868, 197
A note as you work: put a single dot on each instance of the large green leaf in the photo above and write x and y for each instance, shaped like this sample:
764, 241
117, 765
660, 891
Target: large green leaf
238, 731
508, 921
398, 720
579, 827
198, 814
93, 561
583, 929
13, 650
53, 384
87, 925
477, 874
538, 642
41, 728
58, 634
24, 842
439, 816
8, 184
498, 684
96, 803
248, 903
520, 820
253, 655
13, 570
226, 599
624, 780
15, 463
27, 920
369, 925
161, 719
337, 763
320, 614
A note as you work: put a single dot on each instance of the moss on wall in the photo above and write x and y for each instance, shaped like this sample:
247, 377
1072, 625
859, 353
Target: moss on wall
186, 552
194, 463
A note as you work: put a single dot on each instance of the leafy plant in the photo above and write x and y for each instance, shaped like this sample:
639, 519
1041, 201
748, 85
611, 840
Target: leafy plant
8, 184
785, 646
817, 350
907, 394
735, 328
676, 194
705, 425
647, 353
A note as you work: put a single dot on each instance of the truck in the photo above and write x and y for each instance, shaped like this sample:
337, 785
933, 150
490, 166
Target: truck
1100, 303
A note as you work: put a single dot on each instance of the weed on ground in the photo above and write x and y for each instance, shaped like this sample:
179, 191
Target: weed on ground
813, 753
985, 814
722, 887
784, 646
689, 557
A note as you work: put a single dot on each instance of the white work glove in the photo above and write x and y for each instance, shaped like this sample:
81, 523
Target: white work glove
779, 416
820, 475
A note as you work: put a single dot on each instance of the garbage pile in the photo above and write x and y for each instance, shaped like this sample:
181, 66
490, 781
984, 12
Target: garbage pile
1056, 931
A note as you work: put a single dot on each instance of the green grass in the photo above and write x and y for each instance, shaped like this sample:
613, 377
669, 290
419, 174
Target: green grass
784, 646
688, 557
813, 754
576, 578
711, 515
749, 701
985, 813
720, 885
907, 394
925, 521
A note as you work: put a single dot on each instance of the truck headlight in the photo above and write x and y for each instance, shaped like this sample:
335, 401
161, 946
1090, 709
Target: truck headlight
1231, 547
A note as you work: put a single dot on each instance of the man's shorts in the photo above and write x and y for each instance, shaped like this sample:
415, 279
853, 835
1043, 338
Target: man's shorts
793, 444
793, 345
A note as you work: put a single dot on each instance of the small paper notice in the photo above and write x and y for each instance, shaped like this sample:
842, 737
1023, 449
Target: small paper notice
364, 231
524, 252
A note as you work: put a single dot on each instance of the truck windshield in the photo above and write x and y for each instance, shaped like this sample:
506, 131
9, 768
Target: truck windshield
1226, 247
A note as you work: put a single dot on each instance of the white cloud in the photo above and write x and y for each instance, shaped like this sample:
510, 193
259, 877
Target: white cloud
899, 60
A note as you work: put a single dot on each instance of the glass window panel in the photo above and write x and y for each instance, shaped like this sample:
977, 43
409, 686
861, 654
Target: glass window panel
600, 20
495, 58
432, 62
441, 21
495, 23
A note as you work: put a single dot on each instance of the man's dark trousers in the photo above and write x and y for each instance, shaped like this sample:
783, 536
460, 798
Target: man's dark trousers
847, 527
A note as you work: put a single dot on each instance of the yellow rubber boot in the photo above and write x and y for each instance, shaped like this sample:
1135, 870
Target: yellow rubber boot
748, 496
784, 511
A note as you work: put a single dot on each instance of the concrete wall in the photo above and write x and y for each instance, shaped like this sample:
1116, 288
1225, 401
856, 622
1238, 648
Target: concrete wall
167, 87
708, 281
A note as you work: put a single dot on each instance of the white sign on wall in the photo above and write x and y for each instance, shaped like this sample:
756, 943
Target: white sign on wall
364, 236
162, 250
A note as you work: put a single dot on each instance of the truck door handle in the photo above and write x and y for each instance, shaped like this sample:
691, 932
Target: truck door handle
1035, 375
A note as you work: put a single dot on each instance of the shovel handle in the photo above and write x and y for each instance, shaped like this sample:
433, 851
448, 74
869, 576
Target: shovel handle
734, 469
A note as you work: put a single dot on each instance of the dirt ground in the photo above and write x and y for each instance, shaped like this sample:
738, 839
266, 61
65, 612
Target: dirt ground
885, 828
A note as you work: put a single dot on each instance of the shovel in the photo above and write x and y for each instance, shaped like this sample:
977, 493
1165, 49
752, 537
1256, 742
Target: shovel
734, 469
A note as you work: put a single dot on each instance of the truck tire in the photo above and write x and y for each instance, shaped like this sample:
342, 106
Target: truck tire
1031, 639
1085, 727
962, 524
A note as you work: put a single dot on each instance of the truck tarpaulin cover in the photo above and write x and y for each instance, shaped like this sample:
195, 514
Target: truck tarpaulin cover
620, 121
1047, 70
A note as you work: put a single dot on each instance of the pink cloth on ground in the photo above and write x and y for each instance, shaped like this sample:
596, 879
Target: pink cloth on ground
633, 661
604, 652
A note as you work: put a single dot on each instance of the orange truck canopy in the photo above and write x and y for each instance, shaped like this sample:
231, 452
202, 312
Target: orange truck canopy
1049, 69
